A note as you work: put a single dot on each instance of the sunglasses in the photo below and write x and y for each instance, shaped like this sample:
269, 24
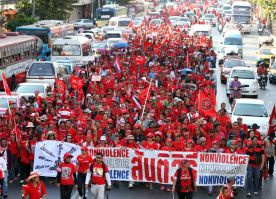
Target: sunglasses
99, 157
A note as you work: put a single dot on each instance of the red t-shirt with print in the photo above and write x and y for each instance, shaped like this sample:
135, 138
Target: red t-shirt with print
97, 176
67, 170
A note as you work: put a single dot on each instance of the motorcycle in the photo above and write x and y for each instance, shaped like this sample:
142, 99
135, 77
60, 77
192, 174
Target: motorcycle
263, 81
237, 96
260, 29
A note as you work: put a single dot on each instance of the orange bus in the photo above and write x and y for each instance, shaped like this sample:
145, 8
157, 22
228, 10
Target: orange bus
16, 55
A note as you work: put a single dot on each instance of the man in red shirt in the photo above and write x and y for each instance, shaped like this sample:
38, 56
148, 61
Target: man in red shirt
98, 174
84, 160
66, 177
34, 188
185, 180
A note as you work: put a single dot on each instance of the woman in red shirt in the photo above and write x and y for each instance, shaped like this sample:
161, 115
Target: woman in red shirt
34, 188
84, 160
66, 177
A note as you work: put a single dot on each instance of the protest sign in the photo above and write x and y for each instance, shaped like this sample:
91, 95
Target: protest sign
214, 168
96, 78
48, 154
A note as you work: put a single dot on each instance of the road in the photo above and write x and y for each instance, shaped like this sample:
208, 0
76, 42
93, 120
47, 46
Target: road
268, 95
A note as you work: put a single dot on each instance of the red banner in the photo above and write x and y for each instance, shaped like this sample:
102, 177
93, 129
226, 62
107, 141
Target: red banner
272, 121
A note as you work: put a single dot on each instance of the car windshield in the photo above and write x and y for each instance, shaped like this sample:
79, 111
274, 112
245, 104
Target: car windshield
123, 23
66, 50
99, 45
243, 74
29, 88
266, 51
232, 41
4, 102
233, 63
242, 109
41, 69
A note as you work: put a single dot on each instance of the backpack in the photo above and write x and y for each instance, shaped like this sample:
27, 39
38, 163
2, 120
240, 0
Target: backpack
177, 184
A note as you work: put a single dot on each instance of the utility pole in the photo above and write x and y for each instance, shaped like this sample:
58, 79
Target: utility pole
33, 10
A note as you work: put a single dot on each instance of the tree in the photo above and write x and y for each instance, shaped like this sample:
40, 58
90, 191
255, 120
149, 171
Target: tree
269, 6
21, 20
47, 9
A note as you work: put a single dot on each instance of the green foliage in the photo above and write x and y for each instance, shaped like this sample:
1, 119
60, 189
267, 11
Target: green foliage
47, 9
21, 20
268, 5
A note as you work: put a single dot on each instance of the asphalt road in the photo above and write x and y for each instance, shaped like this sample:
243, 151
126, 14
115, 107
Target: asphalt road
268, 192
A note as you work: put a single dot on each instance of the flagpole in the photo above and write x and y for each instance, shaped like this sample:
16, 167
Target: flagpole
146, 100
9, 108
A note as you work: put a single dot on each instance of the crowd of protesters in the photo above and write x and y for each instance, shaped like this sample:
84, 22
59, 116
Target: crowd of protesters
147, 98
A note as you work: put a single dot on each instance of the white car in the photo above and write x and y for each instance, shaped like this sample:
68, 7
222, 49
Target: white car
247, 77
28, 89
251, 111
183, 21
85, 23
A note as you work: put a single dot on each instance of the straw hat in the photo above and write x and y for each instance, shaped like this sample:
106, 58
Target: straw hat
33, 174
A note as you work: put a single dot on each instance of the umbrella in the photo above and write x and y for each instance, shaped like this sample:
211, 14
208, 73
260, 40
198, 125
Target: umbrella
121, 45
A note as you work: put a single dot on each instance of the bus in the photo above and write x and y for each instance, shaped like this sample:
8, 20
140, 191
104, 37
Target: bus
47, 31
16, 55
107, 11
242, 13
76, 49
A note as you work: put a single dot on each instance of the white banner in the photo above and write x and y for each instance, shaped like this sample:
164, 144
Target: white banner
147, 165
48, 154
214, 168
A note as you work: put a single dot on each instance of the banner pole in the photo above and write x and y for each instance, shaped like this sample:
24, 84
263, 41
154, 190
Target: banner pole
146, 101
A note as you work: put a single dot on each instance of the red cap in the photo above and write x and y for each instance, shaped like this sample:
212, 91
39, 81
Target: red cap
150, 135
158, 133
215, 142
190, 141
110, 120
67, 155
84, 148
168, 140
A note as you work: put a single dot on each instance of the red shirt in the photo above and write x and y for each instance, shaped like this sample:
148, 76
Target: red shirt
153, 146
13, 148
97, 175
186, 180
178, 145
67, 170
34, 192
84, 163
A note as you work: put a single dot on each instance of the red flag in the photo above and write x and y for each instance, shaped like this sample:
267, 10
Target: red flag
6, 86
207, 102
272, 121
130, 25
76, 82
60, 86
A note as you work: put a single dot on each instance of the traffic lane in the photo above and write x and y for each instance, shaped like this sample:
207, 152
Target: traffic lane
123, 192
251, 45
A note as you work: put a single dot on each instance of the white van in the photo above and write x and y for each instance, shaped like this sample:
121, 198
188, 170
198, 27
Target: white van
199, 29
45, 72
233, 38
120, 23
115, 34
